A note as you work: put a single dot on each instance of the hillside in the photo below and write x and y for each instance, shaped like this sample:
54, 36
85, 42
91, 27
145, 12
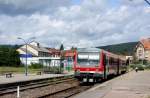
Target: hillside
123, 48
10, 46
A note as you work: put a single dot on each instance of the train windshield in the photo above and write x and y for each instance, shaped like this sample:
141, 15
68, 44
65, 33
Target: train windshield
88, 59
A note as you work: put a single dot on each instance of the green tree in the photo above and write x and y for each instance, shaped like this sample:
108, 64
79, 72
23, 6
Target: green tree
9, 56
73, 48
61, 58
61, 47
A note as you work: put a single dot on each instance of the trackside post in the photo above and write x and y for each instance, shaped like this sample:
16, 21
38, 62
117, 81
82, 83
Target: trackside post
18, 92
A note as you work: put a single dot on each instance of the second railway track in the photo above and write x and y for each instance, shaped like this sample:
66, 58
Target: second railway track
64, 87
38, 88
66, 93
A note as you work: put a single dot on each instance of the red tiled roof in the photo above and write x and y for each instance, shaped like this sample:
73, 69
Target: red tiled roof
53, 51
68, 53
146, 43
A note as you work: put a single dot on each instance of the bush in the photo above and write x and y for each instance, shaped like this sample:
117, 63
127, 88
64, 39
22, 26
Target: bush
139, 66
36, 66
148, 66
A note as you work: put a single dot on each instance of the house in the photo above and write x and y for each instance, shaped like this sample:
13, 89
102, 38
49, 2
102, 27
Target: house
69, 56
142, 51
55, 55
36, 54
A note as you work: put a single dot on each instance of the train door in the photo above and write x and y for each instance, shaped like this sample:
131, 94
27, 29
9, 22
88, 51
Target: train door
105, 63
118, 66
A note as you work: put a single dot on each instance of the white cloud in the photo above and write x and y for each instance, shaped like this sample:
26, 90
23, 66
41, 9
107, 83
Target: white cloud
92, 23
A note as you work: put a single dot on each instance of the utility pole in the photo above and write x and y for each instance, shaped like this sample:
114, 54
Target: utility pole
26, 66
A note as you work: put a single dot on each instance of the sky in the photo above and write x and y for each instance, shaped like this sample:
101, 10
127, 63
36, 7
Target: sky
77, 23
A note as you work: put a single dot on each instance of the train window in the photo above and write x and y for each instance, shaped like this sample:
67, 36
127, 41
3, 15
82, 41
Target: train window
110, 60
113, 61
107, 60
88, 59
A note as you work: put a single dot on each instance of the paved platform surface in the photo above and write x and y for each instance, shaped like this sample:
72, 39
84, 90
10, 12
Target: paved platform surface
22, 77
130, 85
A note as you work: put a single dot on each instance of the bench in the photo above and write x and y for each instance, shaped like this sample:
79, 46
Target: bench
39, 73
8, 75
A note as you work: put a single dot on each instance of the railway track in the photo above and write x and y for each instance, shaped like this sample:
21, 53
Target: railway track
63, 87
66, 93
70, 92
11, 89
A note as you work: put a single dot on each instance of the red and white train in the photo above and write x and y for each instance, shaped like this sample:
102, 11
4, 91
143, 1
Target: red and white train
93, 64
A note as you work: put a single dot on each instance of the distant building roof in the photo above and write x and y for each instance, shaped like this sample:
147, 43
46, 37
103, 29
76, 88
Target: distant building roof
146, 43
88, 50
39, 48
68, 53
53, 51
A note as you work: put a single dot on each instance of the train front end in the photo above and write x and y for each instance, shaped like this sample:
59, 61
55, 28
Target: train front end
88, 66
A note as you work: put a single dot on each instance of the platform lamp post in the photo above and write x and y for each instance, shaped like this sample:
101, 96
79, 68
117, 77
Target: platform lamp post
148, 2
26, 43
26, 66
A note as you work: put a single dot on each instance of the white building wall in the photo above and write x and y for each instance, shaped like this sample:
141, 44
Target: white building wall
140, 52
29, 60
46, 61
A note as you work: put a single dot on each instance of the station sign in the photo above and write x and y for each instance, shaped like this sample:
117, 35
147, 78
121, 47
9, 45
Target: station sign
26, 55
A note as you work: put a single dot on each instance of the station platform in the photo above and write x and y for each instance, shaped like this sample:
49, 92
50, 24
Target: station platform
130, 85
22, 78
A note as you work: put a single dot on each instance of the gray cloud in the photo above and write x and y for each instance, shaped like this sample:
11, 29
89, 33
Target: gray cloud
27, 7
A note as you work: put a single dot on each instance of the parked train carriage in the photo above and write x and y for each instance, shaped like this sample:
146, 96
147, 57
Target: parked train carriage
92, 64
111, 62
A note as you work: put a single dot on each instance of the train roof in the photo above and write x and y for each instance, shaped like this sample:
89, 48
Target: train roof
88, 50
114, 55
99, 50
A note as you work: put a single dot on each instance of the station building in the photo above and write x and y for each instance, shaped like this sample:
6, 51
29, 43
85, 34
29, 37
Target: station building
142, 51
38, 54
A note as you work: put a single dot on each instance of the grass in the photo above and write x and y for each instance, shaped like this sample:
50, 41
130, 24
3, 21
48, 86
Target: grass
17, 70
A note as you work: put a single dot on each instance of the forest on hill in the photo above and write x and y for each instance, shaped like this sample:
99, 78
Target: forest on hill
123, 48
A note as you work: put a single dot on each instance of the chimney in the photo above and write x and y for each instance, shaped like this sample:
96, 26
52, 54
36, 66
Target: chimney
38, 45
